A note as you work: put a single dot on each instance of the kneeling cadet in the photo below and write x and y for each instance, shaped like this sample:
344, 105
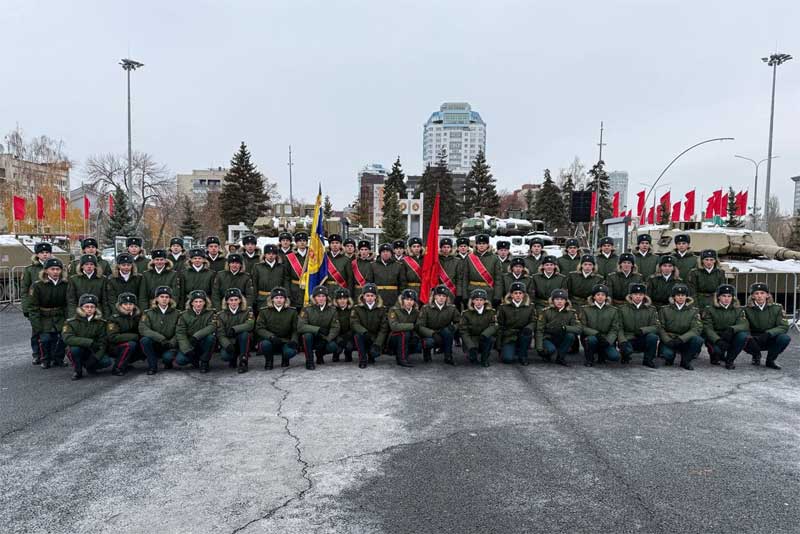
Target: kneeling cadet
344, 341
600, 327
516, 322
196, 332
638, 326
403, 338
768, 326
234, 329
437, 324
557, 327
369, 324
85, 337
478, 327
318, 327
680, 328
123, 333
276, 327
725, 327
157, 328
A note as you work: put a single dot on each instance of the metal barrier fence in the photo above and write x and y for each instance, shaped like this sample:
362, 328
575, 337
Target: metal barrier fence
783, 287
10, 287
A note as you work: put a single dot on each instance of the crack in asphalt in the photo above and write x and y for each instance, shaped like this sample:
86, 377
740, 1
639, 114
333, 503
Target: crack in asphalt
300, 460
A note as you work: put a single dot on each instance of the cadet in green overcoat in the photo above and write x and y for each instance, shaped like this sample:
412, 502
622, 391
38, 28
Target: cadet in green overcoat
686, 260
478, 327
546, 281
403, 338
516, 323
251, 254
41, 253
336, 257
216, 259
411, 266
89, 280
123, 333
235, 323
158, 328
370, 325
89, 247
535, 255
659, 286
318, 327
133, 245
276, 328
176, 254
768, 326
284, 246
450, 265
160, 273
639, 326
387, 275
619, 282
725, 327
198, 275
344, 341
294, 263
267, 275
571, 259
600, 328
123, 279
48, 310
196, 332
85, 337
680, 328
361, 267
517, 272
607, 259
503, 253
704, 280
492, 279
557, 328
646, 261
437, 324
581, 282
234, 275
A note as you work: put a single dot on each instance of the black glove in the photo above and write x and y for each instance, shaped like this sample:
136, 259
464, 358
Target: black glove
727, 334
723, 344
526, 332
674, 343
171, 343
542, 352
762, 340
230, 332
323, 331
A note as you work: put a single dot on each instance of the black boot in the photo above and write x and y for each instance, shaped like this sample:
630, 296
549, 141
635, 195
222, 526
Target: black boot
625, 359
729, 364
402, 361
151, 371
448, 358
335, 357
116, 371
36, 359
204, 366
310, 362
648, 363
46, 364
348, 356
561, 361
268, 363
772, 365
284, 361
686, 363
77, 375
232, 364
485, 359
426, 355
756, 360
242, 366
320, 358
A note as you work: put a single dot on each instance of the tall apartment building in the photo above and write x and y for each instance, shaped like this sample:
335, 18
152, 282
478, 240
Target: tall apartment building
618, 181
370, 193
457, 129
796, 205
197, 184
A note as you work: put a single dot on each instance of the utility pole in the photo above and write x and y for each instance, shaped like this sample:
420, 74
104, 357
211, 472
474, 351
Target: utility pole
773, 61
596, 222
291, 197
128, 65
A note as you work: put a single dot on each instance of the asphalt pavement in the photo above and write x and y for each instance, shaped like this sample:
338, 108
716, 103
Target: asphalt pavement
429, 449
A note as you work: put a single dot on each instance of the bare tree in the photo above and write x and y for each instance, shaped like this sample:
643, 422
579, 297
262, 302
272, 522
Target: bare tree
577, 171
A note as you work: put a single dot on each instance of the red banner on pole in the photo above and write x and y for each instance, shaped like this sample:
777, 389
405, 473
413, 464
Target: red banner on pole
63, 209
430, 264
86, 205
39, 207
688, 206
615, 205
19, 208
640, 204
722, 209
651, 216
741, 204
110, 205
593, 209
676, 211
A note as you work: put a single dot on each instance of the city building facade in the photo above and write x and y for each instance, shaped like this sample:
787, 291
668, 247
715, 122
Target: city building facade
370, 193
796, 205
197, 185
459, 130
618, 182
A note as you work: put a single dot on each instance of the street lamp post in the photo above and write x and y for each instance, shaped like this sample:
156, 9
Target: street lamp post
773, 61
755, 185
128, 65
655, 196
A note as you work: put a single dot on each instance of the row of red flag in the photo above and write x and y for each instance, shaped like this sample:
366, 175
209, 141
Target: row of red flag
20, 206
682, 210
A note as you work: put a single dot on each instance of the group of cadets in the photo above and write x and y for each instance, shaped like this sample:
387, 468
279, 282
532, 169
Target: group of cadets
179, 308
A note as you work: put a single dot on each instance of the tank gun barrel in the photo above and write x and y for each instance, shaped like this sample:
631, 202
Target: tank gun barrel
770, 251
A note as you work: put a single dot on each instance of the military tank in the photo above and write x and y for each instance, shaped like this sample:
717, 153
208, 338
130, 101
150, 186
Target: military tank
15, 255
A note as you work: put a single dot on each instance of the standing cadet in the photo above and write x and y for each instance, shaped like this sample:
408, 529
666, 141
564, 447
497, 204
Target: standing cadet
600, 325
659, 286
399, 249
638, 326
41, 253
504, 255
276, 328
48, 310
160, 273
216, 260
234, 275
462, 247
569, 261
251, 254
369, 324
234, 323
295, 261
340, 273
267, 275
344, 341
198, 276
557, 328
350, 248
606, 258
516, 322
619, 282
411, 271
646, 261
123, 279
157, 329
134, 247
361, 267
703, 281
87, 280
284, 246
403, 338
89, 247
478, 327
177, 254
196, 331
318, 327
123, 333
725, 327
85, 337
685, 260
546, 281
535, 255
449, 268
517, 272
580, 283
482, 270
437, 324
768, 326
680, 328
387, 275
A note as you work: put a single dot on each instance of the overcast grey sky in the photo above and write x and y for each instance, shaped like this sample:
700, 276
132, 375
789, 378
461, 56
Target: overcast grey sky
350, 82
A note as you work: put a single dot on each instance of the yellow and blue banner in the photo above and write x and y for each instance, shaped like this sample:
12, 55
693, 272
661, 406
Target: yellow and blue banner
316, 268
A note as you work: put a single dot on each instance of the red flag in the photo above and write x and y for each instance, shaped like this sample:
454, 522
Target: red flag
110, 205
615, 205
63, 209
651, 216
430, 264
640, 204
713, 204
688, 206
676, 211
86, 205
722, 210
594, 204
19, 208
39, 207
741, 204
663, 201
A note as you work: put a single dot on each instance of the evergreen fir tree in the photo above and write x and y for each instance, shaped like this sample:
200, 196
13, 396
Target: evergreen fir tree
598, 174
190, 226
396, 178
480, 193
244, 197
439, 176
530, 205
549, 206
393, 224
732, 221
566, 199
120, 223
327, 207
